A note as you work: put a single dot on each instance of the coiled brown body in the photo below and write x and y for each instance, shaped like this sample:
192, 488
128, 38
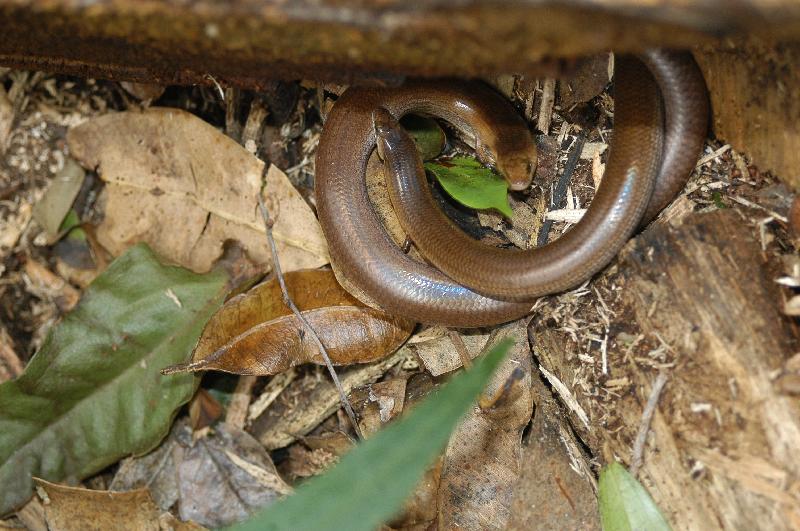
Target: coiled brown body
648, 152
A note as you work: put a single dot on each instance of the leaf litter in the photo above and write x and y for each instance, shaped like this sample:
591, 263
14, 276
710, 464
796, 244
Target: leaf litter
167, 168
298, 412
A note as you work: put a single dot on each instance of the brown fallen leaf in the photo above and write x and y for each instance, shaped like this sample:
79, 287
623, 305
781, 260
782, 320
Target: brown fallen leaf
420, 509
73, 508
378, 403
204, 410
156, 470
216, 477
587, 81
556, 488
185, 188
255, 333
224, 476
143, 91
482, 460
314, 454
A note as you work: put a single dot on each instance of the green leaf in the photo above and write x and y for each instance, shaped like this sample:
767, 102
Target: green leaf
71, 226
625, 505
472, 184
93, 393
426, 133
368, 486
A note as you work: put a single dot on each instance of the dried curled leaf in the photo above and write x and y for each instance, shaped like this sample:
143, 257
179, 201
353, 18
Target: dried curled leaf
77, 508
256, 333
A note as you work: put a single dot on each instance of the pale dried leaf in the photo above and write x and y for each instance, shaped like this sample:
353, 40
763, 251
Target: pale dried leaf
440, 356
51, 209
177, 183
72, 508
32, 515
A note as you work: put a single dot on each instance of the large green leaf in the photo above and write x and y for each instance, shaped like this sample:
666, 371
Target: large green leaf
472, 184
624, 504
369, 484
93, 393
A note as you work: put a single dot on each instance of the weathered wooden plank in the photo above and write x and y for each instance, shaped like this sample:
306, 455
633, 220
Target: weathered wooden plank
247, 41
756, 101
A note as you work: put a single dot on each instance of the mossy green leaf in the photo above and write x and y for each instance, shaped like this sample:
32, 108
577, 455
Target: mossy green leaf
624, 504
93, 393
470, 183
368, 486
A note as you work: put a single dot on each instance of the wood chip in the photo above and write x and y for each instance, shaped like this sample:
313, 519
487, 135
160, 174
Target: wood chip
546, 105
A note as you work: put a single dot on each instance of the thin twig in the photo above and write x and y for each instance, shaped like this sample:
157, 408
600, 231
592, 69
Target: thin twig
461, 348
290, 304
644, 423
560, 193
748, 203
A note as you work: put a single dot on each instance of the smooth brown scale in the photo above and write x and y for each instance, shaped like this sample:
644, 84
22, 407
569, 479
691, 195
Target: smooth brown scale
402, 286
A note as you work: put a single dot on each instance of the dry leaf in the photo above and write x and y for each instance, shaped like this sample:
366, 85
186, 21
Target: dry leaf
68, 508
204, 410
6, 119
378, 403
143, 91
420, 510
216, 478
157, 470
440, 356
185, 188
32, 515
556, 488
482, 460
225, 476
255, 333
57, 201
315, 453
